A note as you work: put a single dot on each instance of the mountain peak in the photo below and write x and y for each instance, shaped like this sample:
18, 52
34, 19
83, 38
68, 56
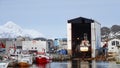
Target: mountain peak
11, 25
12, 30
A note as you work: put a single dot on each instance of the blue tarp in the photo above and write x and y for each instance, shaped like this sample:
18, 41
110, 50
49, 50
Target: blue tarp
63, 52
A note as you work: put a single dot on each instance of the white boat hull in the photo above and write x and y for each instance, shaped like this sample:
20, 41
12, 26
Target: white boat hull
4, 64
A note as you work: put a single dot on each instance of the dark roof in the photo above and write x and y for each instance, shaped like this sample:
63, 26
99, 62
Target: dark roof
41, 38
80, 20
49, 40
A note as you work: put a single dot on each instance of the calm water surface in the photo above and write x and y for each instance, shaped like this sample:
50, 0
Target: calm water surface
78, 64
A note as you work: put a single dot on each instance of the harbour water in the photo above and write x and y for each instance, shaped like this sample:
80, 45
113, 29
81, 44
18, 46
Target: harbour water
78, 64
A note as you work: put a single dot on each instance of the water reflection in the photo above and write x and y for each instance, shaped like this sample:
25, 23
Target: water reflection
89, 64
78, 64
43, 65
59, 65
52, 65
102, 64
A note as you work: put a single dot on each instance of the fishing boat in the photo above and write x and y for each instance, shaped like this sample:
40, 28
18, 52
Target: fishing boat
41, 59
4, 64
4, 61
25, 60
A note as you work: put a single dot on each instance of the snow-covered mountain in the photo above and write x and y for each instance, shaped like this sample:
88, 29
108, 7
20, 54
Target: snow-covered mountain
12, 30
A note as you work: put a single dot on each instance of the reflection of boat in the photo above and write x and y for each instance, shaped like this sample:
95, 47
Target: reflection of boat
4, 64
42, 59
45, 65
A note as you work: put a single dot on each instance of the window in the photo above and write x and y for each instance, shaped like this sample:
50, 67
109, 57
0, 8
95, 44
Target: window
32, 48
19, 47
113, 43
112, 47
35, 47
117, 43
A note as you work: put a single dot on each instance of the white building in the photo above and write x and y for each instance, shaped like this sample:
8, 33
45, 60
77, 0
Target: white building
113, 45
37, 46
31, 45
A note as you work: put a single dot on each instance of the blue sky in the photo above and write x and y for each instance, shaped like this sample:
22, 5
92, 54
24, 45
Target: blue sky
49, 17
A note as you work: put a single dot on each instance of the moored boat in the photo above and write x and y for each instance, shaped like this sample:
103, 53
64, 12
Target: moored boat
41, 59
4, 61
23, 64
4, 64
25, 60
